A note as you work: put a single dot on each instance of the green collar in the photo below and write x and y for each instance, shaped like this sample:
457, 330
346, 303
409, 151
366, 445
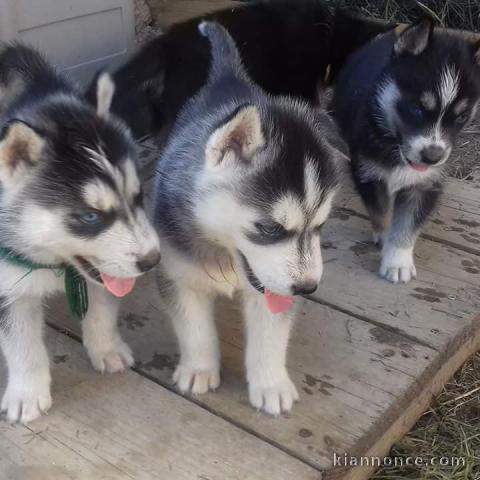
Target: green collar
75, 284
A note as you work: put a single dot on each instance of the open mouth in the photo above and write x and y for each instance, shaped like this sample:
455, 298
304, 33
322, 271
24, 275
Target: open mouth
275, 303
115, 285
251, 277
419, 167
88, 269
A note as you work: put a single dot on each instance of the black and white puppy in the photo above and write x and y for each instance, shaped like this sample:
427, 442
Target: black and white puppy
243, 188
70, 198
400, 102
287, 46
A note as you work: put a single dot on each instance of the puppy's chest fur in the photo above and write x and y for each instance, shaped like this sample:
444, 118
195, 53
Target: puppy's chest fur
398, 177
213, 270
16, 282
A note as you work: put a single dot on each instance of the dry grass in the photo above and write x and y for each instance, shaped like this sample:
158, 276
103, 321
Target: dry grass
461, 14
464, 163
450, 428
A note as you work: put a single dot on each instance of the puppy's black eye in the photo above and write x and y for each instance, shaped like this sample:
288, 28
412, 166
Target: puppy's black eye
415, 110
318, 228
462, 118
271, 229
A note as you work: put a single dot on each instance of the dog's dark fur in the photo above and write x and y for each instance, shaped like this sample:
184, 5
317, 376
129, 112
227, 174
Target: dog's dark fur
286, 46
400, 102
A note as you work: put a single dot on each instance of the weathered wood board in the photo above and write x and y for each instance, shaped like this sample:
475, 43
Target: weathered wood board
126, 427
167, 12
366, 355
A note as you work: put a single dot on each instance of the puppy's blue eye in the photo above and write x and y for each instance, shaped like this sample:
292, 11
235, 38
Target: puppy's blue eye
270, 229
91, 218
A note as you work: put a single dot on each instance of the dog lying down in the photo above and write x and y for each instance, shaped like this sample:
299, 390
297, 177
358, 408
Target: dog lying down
71, 217
243, 188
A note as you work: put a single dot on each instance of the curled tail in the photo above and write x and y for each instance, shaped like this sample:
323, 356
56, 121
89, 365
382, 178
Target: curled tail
224, 52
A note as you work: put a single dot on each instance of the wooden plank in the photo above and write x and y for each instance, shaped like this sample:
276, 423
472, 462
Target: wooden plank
432, 386
429, 309
127, 427
349, 373
167, 12
455, 221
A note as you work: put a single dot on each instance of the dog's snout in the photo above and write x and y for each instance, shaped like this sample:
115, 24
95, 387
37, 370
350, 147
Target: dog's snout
306, 288
432, 154
147, 262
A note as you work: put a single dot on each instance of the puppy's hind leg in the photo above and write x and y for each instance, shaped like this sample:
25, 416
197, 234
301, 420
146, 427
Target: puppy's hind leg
411, 210
193, 322
106, 348
270, 387
28, 389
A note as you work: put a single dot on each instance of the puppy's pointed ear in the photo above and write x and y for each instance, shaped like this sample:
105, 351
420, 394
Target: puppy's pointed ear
20, 148
237, 139
414, 39
105, 92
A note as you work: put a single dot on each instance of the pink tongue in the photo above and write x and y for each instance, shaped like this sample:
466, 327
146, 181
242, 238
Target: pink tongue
420, 167
118, 286
277, 303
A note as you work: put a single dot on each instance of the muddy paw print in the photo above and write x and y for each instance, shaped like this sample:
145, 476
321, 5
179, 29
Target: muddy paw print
428, 294
471, 266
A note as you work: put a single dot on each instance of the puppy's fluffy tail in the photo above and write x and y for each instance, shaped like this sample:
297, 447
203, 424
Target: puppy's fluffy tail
224, 52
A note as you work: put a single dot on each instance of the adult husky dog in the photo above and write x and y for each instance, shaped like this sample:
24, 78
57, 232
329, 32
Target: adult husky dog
70, 210
400, 102
244, 185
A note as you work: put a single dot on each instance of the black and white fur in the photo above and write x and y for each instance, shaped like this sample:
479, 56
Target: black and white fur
243, 188
69, 193
400, 102
288, 47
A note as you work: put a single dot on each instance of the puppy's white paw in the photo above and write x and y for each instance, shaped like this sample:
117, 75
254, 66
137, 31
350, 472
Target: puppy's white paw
198, 381
274, 395
397, 264
27, 397
112, 358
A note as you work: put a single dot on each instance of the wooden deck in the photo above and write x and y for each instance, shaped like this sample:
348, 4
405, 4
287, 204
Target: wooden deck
366, 356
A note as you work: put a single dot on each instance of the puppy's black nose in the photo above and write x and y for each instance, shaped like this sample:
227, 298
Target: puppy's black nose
304, 288
432, 154
148, 261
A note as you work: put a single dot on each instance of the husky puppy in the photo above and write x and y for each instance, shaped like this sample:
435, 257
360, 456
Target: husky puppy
243, 188
400, 103
69, 197
301, 40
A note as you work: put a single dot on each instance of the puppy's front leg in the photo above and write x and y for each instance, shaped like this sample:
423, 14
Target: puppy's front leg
411, 210
199, 367
106, 348
270, 387
377, 201
28, 390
